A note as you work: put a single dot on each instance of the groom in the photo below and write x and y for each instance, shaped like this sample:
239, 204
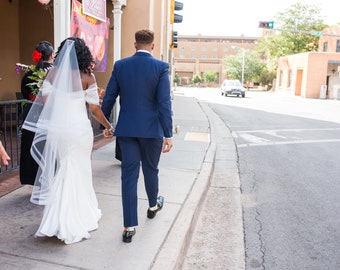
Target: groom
144, 127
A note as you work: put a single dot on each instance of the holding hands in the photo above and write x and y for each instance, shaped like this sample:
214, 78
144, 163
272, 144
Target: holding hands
108, 132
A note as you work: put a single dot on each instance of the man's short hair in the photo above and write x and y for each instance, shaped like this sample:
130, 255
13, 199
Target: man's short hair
144, 36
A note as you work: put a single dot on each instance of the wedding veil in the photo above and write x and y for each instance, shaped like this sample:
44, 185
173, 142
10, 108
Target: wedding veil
52, 118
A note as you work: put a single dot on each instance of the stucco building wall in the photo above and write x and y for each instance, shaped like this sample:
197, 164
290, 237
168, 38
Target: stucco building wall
313, 74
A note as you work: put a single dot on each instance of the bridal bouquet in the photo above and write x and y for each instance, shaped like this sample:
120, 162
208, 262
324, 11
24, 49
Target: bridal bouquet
38, 76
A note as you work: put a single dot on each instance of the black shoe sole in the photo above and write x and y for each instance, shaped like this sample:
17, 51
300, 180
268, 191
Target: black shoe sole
151, 214
127, 240
127, 236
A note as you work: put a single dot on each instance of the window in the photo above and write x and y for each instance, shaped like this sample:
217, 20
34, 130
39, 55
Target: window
325, 46
204, 49
337, 49
280, 78
193, 48
290, 77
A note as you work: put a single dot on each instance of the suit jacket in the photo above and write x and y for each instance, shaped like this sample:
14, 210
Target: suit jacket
143, 86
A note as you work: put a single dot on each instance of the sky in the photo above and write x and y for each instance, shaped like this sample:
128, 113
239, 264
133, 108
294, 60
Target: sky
241, 17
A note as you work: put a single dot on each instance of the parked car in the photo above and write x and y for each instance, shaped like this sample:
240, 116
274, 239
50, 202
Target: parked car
232, 87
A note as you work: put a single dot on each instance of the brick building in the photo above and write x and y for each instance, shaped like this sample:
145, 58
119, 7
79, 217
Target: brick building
196, 55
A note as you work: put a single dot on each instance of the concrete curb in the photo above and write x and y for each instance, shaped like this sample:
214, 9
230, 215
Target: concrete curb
173, 250
218, 238
218, 182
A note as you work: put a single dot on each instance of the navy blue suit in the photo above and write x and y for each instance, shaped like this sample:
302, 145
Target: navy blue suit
145, 118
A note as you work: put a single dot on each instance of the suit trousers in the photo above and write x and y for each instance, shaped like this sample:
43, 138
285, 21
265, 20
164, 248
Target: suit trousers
138, 152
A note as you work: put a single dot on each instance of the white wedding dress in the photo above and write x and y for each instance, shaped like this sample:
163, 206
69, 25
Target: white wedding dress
72, 208
62, 147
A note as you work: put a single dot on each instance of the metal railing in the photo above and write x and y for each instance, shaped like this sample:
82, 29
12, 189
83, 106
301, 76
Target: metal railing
10, 131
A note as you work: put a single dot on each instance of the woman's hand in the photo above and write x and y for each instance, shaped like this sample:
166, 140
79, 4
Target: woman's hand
108, 132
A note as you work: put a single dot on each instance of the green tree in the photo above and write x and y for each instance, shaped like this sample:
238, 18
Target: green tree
196, 79
210, 76
253, 66
176, 78
296, 25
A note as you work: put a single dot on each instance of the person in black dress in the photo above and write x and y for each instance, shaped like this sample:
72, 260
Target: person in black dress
43, 57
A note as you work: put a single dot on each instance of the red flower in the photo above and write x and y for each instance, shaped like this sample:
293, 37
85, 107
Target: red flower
36, 56
31, 96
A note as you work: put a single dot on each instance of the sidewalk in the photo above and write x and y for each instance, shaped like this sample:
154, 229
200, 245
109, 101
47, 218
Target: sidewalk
202, 144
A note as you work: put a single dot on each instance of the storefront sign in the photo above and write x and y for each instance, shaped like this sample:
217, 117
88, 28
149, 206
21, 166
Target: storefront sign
95, 9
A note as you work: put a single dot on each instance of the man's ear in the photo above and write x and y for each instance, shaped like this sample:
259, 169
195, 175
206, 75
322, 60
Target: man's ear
135, 44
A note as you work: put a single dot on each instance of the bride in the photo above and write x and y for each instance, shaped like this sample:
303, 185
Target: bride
63, 143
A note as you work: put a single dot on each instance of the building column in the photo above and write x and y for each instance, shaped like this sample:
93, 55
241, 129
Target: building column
62, 18
117, 28
117, 39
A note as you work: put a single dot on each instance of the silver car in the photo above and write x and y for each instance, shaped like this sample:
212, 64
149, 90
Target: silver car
232, 87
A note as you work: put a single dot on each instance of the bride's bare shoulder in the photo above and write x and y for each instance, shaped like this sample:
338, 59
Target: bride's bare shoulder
87, 80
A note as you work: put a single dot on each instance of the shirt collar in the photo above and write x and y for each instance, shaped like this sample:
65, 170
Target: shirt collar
144, 51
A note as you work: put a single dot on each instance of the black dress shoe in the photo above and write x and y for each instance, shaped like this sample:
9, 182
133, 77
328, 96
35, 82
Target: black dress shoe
160, 202
127, 235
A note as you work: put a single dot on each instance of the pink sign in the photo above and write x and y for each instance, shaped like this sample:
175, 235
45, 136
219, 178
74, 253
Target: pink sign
95, 9
94, 32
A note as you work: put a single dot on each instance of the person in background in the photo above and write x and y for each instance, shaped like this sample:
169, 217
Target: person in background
144, 127
43, 58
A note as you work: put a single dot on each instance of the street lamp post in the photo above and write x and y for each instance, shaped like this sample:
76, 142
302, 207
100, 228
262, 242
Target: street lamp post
242, 66
237, 48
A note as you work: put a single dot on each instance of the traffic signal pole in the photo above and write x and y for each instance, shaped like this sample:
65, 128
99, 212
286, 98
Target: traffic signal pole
174, 18
270, 25
314, 33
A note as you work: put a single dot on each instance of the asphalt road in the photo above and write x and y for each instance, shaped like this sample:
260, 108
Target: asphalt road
288, 157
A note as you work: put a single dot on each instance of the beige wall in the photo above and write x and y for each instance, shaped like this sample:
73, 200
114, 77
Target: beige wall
20, 31
9, 49
24, 23
315, 69
146, 14
331, 40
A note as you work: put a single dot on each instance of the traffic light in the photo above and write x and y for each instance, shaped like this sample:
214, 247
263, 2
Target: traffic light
174, 39
267, 25
175, 5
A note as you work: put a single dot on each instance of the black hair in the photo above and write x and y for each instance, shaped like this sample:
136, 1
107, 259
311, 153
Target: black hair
46, 49
84, 56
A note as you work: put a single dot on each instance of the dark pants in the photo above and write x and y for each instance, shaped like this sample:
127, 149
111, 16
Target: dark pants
118, 152
136, 151
28, 167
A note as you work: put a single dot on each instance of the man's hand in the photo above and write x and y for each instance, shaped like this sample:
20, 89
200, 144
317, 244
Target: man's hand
108, 132
167, 145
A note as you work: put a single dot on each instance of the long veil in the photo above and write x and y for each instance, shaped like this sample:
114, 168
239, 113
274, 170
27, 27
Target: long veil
52, 119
